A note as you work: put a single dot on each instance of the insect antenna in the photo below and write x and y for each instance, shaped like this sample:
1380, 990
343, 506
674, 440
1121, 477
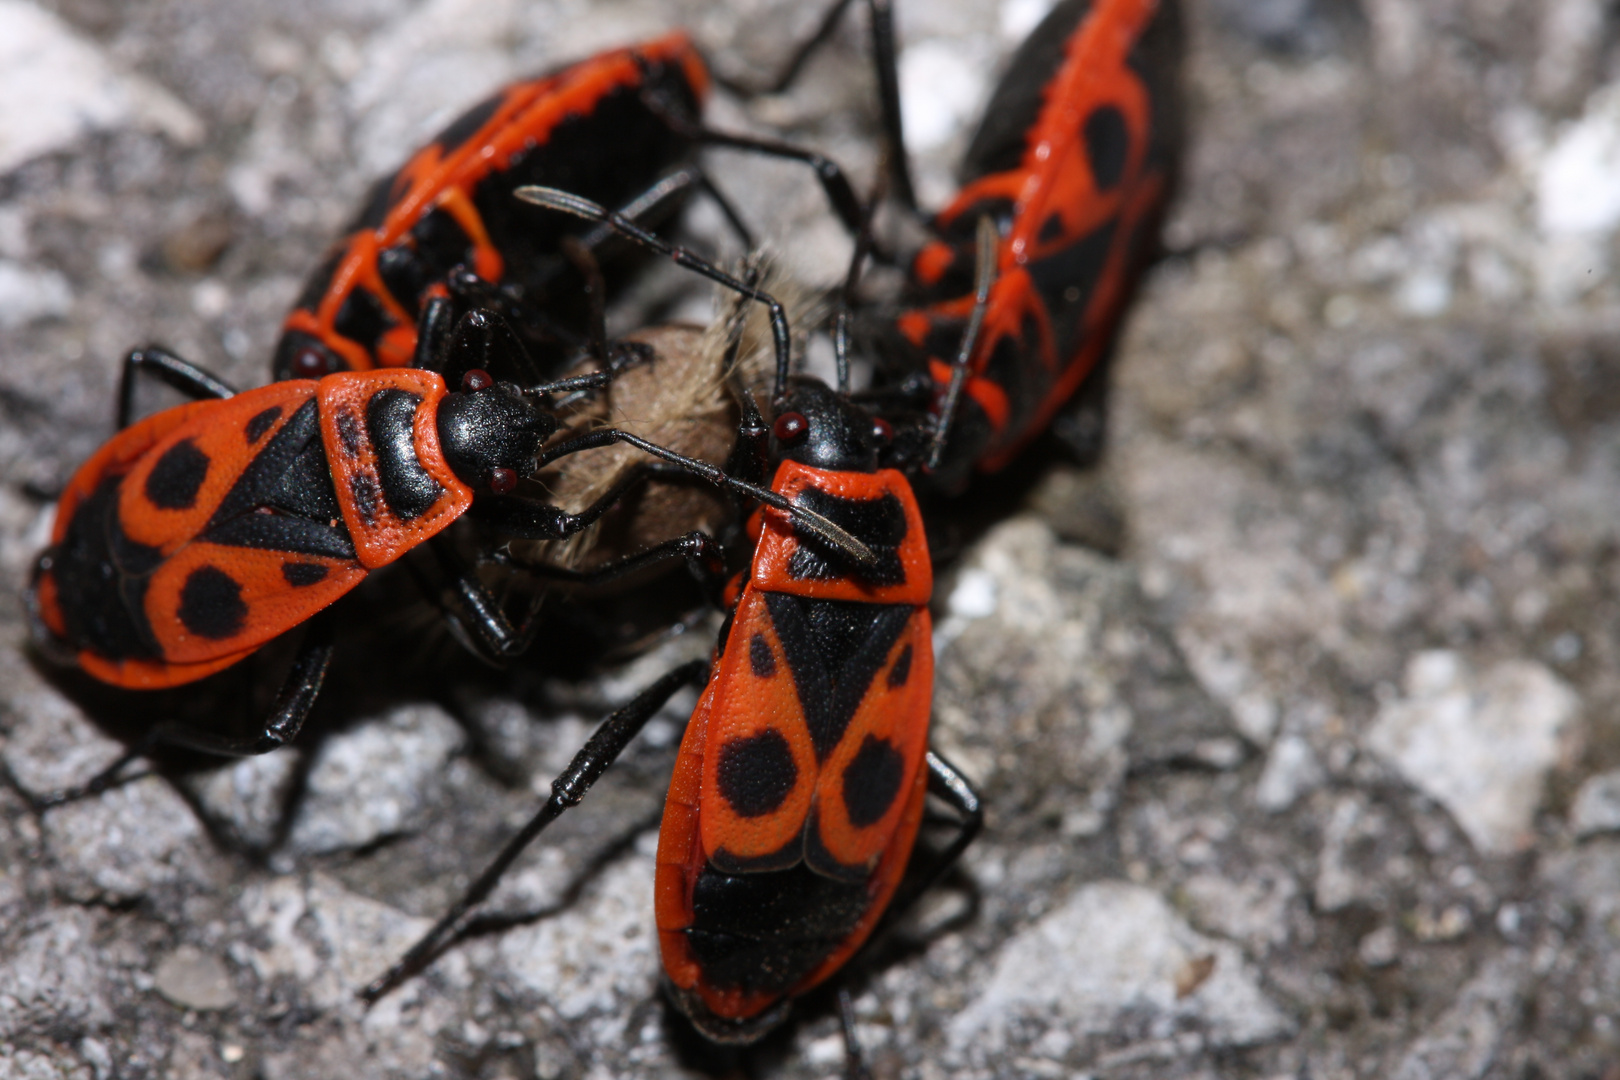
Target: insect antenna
984, 275
553, 199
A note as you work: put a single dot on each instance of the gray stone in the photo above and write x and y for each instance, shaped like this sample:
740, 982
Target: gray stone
127, 842
1367, 412
1113, 959
1380, 948
1467, 1040
1479, 744
19, 1064
247, 798
1257, 911
1060, 645
327, 939
374, 781
50, 745
73, 87
53, 975
1597, 805
1291, 771
194, 979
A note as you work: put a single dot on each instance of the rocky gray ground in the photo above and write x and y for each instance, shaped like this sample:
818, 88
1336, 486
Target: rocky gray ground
1293, 717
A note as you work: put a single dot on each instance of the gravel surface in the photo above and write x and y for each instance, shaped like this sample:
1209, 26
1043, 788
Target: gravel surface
1290, 714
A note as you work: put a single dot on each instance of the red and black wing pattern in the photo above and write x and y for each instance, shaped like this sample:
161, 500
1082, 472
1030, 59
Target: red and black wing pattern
799, 784
194, 537
587, 128
1074, 163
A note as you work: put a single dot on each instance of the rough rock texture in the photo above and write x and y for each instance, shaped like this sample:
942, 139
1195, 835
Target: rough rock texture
1305, 766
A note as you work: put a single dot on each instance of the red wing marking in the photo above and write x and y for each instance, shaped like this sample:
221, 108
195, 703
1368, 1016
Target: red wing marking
914, 326
932, 262
525, 117
173, 489
207, 601
680, 850
680, 861
117, 455
381, 536
154, 674
759, 764
1055, 175
1058, 201
885, 879
860, 796
986, 392
1100, 320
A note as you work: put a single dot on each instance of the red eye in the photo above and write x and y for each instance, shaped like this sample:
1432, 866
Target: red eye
309, 364
475, 380
882, 430
790, 427
501, 481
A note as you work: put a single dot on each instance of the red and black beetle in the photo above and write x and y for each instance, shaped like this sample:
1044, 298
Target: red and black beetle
1072, 163
799, 786
620, 128
195, 536
601, 127
800, 782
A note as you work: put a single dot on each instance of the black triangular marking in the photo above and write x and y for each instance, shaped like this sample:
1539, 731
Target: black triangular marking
834, 649
240, 520
263, 474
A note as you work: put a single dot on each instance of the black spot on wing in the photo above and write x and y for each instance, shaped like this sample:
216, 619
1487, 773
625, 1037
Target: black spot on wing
302, 574
260, 423
367, 496
1108, 145
760, 657
880, 524
902, 668
872, 780
211, 604
756, 773
350, 435
834, 648
178, 475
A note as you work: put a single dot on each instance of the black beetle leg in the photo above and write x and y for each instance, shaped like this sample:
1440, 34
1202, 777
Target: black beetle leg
185, 377
600, 751
292, 706
854, 1060
945, 782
